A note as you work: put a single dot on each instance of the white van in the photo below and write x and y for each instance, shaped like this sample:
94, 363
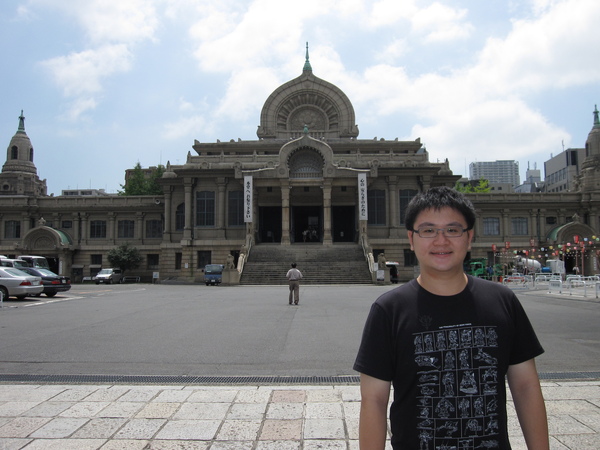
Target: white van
109, 276
38, 262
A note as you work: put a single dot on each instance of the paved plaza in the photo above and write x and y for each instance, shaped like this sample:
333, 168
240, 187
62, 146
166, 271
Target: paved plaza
112, 414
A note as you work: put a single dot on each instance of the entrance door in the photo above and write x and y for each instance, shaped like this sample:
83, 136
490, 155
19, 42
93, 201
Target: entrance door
343, 226
270, 223
307, 224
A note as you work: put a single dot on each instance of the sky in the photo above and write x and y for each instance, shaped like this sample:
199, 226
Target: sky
105, 84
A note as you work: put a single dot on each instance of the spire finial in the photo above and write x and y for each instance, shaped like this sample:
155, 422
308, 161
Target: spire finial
307, 67
21, 122
596, 118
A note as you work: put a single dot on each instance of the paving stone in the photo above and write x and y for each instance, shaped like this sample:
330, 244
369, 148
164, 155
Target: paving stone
213, 396
239, 430
323, 411
582, 442
253, 396
567, 425
205, 411
232, 445
324, 445
13, 409
107, 395
60, 427
139, 395
288, 396
155, 410
121, 409
140, 429
48, 409
66, 444
203, 430
324, 429
21, 427
323, 395
13, 444
172, 396
101, 428
246, 411
125, 444
177, 445
74, 394
278, 445
84, 409
285, 411
281, 430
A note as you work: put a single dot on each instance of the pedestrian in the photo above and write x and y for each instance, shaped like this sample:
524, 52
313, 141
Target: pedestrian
445, 341
294, 276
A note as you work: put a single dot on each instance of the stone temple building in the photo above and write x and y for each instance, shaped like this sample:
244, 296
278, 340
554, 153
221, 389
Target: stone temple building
308, 189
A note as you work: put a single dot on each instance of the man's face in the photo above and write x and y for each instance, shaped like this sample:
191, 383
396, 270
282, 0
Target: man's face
440, 253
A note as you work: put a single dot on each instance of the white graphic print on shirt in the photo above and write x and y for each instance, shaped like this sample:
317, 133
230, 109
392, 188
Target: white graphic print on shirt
457, 382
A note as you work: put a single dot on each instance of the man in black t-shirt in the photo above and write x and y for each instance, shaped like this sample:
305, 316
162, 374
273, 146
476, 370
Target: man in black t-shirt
446, 341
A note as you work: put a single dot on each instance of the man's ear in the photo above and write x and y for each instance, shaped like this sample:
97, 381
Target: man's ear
411, 235
470, 233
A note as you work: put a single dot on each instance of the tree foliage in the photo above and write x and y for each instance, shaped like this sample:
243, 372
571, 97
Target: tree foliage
482, 187
140, 182
124, 257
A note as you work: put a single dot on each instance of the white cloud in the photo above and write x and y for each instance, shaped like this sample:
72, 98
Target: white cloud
81, 73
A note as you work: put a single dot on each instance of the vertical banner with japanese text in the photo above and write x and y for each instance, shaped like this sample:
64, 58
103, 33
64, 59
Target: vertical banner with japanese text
362, 196
247, 198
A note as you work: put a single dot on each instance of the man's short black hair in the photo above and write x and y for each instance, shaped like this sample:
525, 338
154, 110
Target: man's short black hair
293, 265
437, 198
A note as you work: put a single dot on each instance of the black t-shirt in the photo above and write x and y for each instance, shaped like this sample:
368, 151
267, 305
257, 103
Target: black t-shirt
447, 357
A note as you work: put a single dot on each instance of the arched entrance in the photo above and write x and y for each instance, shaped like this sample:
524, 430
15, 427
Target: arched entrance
54, 245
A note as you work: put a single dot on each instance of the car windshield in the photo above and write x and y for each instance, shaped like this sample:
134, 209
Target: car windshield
46, 273
16, 272
214, 268
104, 272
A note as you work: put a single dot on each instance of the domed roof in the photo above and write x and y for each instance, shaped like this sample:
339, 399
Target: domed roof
19, 155
307, 101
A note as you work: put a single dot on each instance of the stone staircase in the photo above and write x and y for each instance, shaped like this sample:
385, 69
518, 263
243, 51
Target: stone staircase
336, 264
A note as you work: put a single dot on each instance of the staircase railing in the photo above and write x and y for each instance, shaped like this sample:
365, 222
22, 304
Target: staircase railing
245, 253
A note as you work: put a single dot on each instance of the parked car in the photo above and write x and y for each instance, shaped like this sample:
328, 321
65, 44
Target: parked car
18, 263
109, 276
52, 282
16, 283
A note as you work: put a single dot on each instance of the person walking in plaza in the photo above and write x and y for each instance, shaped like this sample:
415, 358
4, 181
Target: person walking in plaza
294, 276
446, 341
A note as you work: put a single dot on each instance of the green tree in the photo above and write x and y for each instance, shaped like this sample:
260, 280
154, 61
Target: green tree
140, 182
482, 187
124, 257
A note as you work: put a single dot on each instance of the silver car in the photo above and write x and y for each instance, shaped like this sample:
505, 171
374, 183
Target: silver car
16, 283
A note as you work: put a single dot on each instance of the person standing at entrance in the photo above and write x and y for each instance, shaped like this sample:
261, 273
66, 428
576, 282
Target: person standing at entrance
294, 276
446, 341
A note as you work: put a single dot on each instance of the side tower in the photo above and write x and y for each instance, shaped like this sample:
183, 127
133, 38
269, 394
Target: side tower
590, 169
19, 174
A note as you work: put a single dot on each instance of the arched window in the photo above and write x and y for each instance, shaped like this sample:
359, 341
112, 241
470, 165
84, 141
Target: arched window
14, 152
306, 163
31, 154
180, 217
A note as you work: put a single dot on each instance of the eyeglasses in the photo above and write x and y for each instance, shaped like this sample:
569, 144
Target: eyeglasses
449, 232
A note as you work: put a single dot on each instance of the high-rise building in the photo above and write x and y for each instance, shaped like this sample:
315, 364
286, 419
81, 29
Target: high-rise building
562, 170
504, 171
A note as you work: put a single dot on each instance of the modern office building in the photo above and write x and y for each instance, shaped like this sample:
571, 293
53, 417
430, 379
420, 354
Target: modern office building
563, 170
503, 171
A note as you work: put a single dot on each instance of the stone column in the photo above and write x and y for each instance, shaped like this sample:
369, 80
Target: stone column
221, 185
394, 207
110, 231
85, 230
327, 240
168, 217
139, 226
285, 214
188, 185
